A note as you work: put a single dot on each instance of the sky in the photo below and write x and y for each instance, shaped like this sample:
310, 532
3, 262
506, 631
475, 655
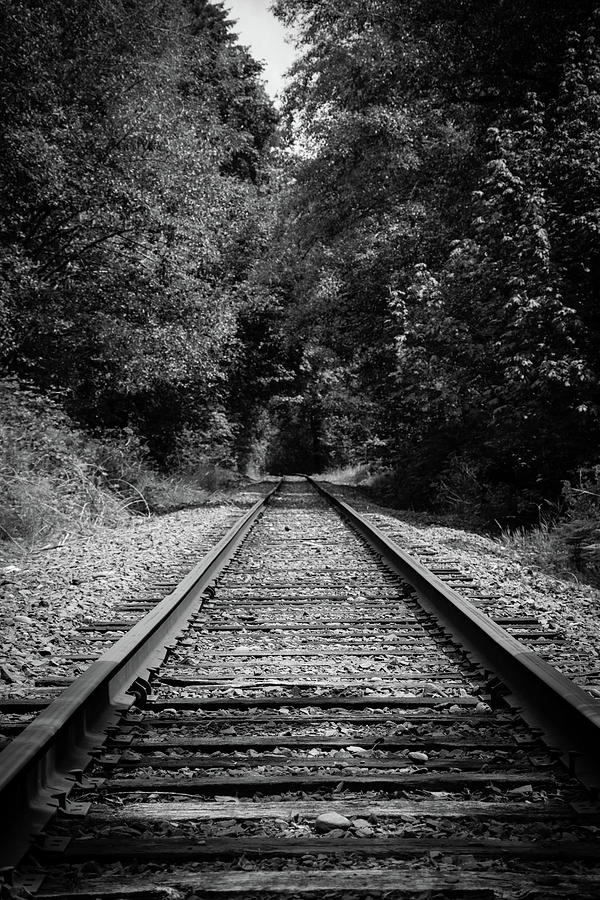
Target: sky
259, 30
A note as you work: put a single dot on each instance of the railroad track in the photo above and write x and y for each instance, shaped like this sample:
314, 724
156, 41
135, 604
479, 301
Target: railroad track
310, 712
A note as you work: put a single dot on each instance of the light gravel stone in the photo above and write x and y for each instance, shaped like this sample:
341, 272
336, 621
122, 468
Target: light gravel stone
418, 756
331, 821
47, 595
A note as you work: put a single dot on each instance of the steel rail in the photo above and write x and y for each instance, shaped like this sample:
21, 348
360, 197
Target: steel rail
42, 764
567, 715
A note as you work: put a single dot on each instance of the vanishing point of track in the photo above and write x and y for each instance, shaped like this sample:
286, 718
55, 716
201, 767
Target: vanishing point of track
310, 712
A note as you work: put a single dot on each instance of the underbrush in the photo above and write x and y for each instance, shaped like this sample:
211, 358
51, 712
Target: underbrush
57, 480
571, 543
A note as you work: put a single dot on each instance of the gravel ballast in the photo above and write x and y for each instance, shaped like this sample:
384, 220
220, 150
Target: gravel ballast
48, 596
563, 604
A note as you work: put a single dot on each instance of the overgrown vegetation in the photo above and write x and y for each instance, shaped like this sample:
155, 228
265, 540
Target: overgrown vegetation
135, 199
567, 543
135, 192
55, 479
404, 275
442, 241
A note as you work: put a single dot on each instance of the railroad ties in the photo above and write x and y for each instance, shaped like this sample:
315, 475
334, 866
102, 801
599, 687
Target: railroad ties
316, 732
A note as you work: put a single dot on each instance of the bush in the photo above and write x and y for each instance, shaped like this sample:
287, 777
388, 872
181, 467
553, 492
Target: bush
460, 487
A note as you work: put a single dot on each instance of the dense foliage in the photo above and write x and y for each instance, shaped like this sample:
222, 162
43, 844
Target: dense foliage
134, 183
443, 237
410, 281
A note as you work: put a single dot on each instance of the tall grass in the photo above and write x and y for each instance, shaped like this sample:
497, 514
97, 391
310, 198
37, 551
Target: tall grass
49, 480
56, 480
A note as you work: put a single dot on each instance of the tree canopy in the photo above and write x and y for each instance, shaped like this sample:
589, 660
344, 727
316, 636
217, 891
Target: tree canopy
443, 222
135, 138
403, 271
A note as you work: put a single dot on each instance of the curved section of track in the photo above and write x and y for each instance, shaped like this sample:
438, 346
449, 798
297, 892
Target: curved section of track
318, 728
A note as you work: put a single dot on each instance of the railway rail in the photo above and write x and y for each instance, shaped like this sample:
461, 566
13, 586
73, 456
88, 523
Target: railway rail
310, 712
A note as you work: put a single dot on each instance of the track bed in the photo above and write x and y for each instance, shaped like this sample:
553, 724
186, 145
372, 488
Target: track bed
315, 731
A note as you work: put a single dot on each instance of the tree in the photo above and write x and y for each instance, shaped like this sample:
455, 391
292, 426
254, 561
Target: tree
444, 220
134, 136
